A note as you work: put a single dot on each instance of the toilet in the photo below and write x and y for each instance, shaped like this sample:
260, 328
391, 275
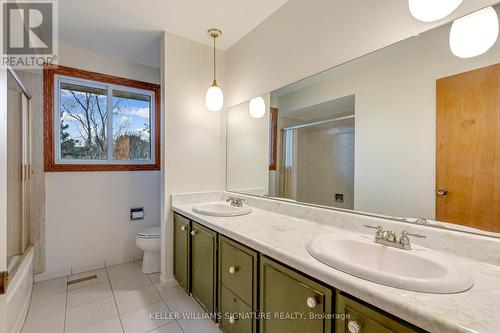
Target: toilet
148, 240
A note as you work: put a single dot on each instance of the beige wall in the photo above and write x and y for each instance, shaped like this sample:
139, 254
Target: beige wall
305, 37
87, 213
194, 137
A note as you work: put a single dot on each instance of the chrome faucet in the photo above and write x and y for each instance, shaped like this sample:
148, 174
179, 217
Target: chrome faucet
421, 220
235, 201
388, 238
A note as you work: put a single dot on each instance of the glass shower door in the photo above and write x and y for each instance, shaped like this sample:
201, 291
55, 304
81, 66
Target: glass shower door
18, 172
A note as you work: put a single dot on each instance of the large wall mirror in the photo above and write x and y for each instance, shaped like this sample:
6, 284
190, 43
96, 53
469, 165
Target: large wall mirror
410, 132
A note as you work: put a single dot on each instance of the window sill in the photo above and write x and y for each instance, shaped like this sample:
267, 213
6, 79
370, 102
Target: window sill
100, 167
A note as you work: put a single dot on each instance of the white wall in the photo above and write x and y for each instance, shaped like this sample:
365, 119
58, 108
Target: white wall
72, 56
395, 119
87, 213
194, 137
305, 37
247, 150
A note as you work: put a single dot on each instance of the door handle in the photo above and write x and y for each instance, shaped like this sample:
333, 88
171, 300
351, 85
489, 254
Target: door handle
441, 192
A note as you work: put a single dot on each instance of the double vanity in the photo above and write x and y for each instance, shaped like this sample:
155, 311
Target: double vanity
272, 266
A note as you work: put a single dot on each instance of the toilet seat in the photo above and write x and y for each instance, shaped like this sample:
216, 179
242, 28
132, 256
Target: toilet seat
149, 233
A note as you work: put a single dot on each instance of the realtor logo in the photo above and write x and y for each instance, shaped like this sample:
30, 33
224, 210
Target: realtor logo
29, 33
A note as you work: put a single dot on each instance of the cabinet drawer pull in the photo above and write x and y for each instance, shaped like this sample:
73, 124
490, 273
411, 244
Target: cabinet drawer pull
183, 228
232, 319
312, 302
233, 269
193, 233
354, 327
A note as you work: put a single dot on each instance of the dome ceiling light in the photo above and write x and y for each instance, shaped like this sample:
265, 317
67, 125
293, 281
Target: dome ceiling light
432, 10
474, 34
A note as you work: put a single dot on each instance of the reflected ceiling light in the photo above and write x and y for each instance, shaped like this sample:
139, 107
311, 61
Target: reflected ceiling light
214, 99
474, 34
432, 10
257, 107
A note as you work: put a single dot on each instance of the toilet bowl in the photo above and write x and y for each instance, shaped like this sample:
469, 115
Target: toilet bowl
148, 240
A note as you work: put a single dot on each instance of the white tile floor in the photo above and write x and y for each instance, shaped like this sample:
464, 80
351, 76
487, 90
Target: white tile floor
119, 300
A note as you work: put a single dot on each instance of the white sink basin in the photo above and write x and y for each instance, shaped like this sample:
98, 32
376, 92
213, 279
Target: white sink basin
418, 269
221, 209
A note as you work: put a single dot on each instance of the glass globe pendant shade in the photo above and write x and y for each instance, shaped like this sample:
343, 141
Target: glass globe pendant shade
474, 34
214, 99
432, 10
257, 107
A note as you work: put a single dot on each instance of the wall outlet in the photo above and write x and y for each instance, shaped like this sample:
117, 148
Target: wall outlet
339, 198
137, 214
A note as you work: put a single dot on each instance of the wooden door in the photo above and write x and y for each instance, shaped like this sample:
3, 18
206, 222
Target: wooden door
468, 149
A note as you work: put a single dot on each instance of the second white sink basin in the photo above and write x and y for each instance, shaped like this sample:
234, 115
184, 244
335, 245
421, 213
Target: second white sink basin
221, 209
418, 269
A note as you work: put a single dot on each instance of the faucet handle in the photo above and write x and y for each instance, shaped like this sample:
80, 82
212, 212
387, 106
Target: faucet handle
404, 240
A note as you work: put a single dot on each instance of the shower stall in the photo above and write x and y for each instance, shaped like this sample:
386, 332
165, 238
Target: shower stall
18, 279
317, 162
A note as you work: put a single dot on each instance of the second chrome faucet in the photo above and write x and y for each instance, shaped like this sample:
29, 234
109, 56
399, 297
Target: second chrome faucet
388, 238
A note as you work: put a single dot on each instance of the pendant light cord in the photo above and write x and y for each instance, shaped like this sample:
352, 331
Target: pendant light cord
215, 82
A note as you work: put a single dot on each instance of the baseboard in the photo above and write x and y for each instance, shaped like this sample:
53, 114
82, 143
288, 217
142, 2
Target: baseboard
168, 282
67, 271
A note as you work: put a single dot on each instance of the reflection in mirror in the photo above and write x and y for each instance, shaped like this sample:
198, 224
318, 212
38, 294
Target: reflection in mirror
409, 132
317, 154
247, 150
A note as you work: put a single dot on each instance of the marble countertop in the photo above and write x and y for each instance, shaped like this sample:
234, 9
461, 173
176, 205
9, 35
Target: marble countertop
284, 238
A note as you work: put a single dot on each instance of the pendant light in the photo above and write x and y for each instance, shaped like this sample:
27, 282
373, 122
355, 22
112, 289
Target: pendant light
214, 99
474, 34
432, 10
257, 107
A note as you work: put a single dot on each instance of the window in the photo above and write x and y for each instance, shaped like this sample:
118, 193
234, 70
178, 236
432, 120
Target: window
97, 122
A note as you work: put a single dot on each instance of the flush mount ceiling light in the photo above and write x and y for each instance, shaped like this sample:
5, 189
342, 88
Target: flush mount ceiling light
474, 34
432, 10
214, 99
257, 107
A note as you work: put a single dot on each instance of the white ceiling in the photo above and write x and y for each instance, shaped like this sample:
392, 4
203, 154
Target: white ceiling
131, 29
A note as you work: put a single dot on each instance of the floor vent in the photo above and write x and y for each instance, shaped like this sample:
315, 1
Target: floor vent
85, 278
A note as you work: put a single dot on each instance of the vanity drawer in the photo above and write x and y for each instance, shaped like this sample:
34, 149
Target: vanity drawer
367, 319
238, 270
295, 303
236, 315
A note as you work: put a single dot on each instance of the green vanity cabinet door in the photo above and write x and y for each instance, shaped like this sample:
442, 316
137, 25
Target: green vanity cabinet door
203, 266
238, 270
236, 315
362, 318
181, 250
284, 294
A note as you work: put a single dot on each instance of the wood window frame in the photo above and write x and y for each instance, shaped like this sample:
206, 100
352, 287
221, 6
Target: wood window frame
50, 164
273, 143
